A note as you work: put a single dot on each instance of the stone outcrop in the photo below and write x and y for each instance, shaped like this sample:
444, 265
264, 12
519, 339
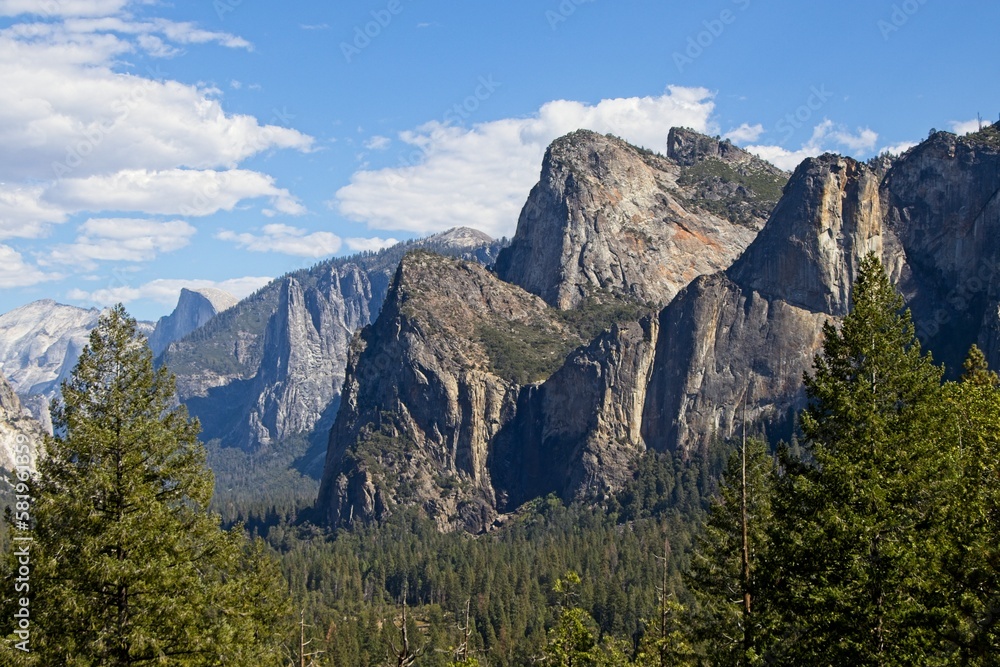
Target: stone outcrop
21, 437
942, 200
422, 400
41, 342
579, 433
194, 308
738, 342
607, 216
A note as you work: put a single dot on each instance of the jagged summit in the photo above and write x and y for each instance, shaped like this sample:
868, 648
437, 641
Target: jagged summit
271, 367
808, 253
688, 148
424, 396
608, 216
194, 308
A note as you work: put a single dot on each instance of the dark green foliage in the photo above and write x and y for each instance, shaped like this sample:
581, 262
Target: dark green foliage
524, 353
988, 136
128, 565
728, 635
970, 561
856, 534
260, 487
530, 352
350, 582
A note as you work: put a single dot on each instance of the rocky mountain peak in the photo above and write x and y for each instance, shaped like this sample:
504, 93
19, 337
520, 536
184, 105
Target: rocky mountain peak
688, 148
194, 308
808, 253
460, 237
608, 216
40, 343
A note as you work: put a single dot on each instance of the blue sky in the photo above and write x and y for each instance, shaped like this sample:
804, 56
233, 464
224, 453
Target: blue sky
151, 145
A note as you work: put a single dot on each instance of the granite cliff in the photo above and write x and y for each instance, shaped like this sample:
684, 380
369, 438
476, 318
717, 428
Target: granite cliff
194, 308
21, 437
607, 216
270, 367
428, 418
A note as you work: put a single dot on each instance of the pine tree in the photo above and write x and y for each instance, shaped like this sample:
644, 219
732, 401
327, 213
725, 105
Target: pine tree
856, 525
130, 566
971, 561
726, 574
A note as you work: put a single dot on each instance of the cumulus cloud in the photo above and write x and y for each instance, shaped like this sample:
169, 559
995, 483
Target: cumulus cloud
15, 272
962, 127
24, 214
378, 143
185, 192
369, 245
745, 133
480, 176
285, 239
826, 137
78, 136
122, 240
897, 149
62, 8
165, 291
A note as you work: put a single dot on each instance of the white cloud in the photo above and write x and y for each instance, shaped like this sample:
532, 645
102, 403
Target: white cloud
371, 245
826, 137
898, 149
171, 192
165, 291
62, 8
963, 127
480, 176
745, 133
122, 240
77, 135
285, 239
861, 142
24, 214
15, 272
378, 143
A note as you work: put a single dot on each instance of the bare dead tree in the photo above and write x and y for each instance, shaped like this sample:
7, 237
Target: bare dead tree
404, 655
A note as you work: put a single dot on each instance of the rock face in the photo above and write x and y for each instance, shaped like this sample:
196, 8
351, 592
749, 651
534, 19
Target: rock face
271, 367
433, 414
21, 437
741, 339
579, 433
194, 308
41, 342
608, 216
422, 399
748, 334
942, 200
731, 348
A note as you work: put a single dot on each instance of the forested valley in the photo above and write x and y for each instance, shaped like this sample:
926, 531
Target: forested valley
870, 539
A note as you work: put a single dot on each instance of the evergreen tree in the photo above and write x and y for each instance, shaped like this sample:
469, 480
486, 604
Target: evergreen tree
731, 621
856, 526
130, 567
971, 561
